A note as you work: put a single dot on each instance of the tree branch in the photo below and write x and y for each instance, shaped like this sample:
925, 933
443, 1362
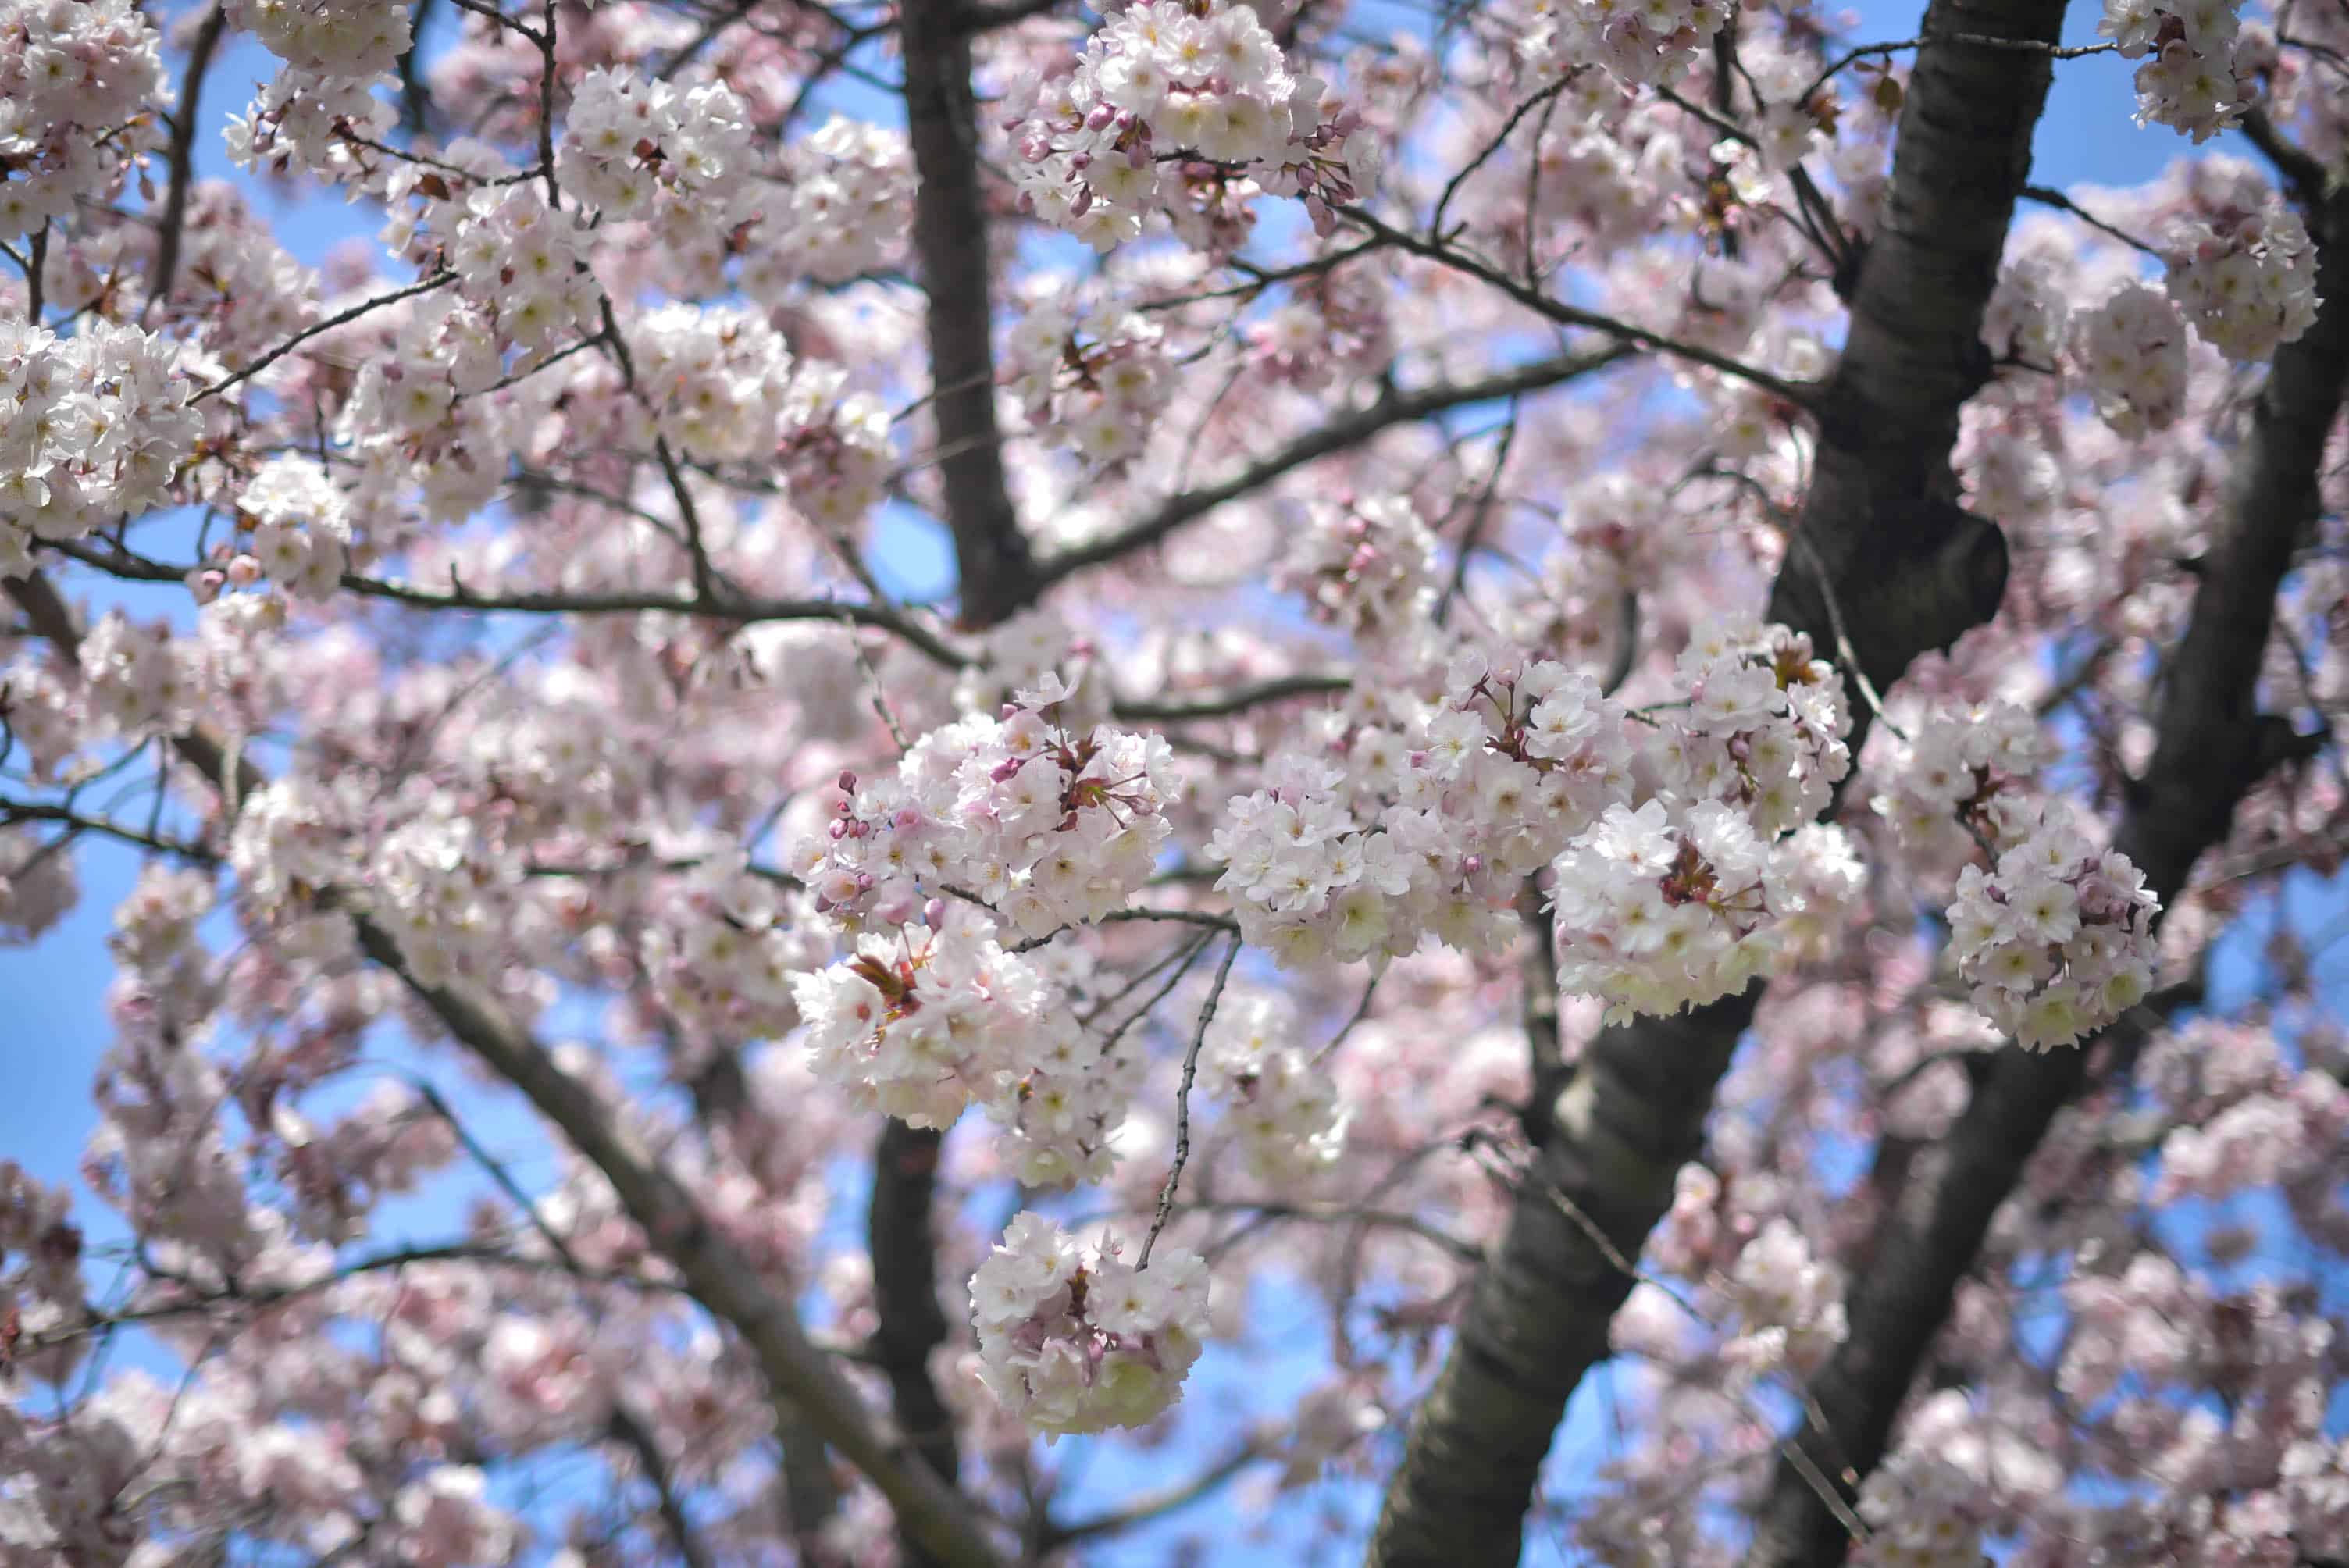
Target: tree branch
994, 570
1157, 1504
1566, 315
731, 608
1350, 431
2213, 746
168, 235
994, 578
638, 1438
1914, 572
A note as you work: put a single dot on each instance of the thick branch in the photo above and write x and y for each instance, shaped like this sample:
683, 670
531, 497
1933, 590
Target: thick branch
1325, 440
168, 235
905, 1287
995, 574
2213, 746
995, 577
1613, 1139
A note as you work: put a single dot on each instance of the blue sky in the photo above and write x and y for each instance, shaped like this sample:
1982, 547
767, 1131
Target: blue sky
57, 1029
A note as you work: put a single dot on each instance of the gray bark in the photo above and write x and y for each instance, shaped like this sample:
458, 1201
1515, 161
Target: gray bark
1913, 571
2213, 745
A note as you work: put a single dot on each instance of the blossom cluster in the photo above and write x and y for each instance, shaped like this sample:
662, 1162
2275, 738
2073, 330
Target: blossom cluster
1074, 1339
1923, 1508
1160, 78
1093, 379
137, 677
2246, 277
1642, 46
445, 1517
525, 265
37, 886
1675, 882
250, 294
92, 427
296, 531
1964, 775
634, 149
78, 79
1428, 827
2261, 1141
1658, 909
925, 1022
2191, 79
1764, 726
2057, 940
1283, 1112
354, 39
1686, 897
1790, 1305
2131, 351
436, 881
714, 378
1048, 825
840, 208
1370, 567
833, 446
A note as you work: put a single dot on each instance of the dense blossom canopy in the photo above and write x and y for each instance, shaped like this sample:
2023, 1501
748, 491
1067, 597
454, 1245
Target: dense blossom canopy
1596, 705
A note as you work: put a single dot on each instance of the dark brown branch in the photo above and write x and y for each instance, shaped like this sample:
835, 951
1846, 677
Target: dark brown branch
995, 577
2047, 197
638, 1440
995, 574
1565, 315
76, 822
2213, 745
1611, 1142
168, 235
1157, 1504
340, 318
1224, 705
1339, 434
1183, 1104
2302, 172
734, 610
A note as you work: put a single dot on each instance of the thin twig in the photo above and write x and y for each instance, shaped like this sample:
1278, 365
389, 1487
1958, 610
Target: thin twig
1183, 1104
2046, 197
340, 318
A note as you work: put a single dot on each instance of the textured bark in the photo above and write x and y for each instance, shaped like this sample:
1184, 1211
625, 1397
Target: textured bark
995, 577
994, 571
1912, 572
2213, 746
905, 1288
